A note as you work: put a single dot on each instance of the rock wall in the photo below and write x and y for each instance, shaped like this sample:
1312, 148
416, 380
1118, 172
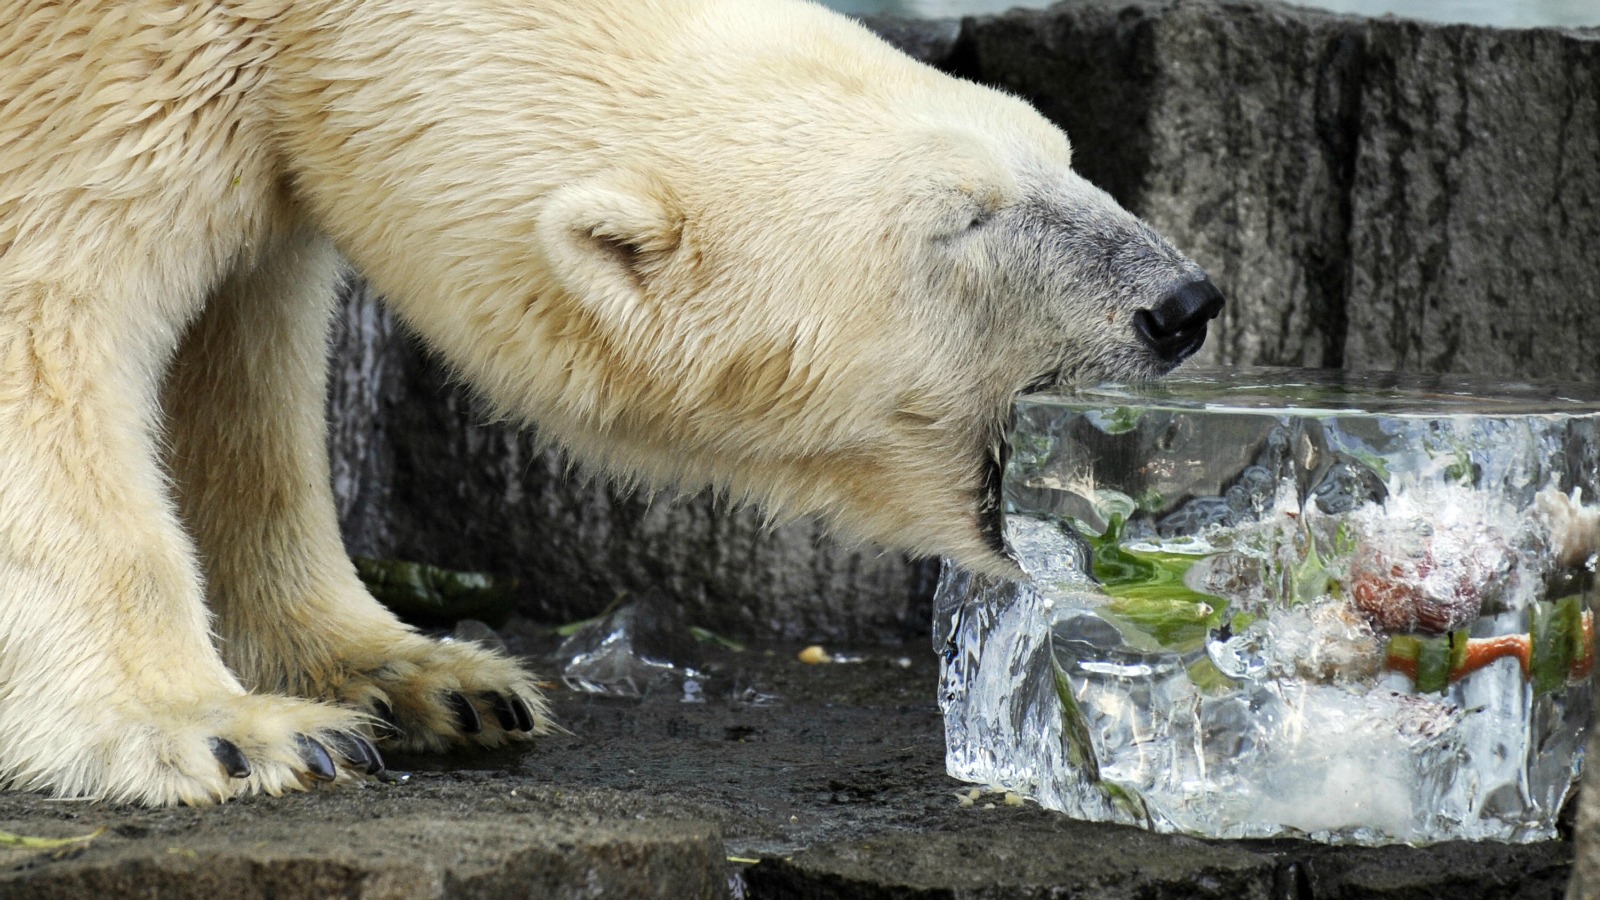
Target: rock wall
1368, 193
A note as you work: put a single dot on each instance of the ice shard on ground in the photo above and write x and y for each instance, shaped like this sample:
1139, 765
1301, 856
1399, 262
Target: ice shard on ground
1352, 607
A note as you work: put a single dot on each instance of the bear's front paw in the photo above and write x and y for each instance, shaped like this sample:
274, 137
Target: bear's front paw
433, 695
194, 752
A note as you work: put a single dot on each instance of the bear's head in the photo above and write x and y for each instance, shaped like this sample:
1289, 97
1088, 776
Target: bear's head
776, 256
824, 294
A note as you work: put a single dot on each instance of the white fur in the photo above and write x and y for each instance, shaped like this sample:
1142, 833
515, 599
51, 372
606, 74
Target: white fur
698, 242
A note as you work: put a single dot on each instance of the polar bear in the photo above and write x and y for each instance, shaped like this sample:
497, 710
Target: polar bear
736, 243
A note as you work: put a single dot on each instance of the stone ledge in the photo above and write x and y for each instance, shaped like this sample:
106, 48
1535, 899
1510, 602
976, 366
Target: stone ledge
432, 841
1049, 860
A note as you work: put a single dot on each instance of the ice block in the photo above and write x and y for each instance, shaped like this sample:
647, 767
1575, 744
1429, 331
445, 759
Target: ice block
1260, 603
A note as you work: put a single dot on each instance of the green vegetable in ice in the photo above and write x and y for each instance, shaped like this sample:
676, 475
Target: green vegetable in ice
1078, 745
1148, 591
1557, 649
1432, 662
1558, 640
1075, 739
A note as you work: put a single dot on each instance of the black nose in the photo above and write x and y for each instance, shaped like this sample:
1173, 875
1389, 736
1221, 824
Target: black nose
1175, 328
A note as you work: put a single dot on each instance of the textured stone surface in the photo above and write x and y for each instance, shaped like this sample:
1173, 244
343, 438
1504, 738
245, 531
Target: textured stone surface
439, 838
1043, 860
1476, 203
1026, 859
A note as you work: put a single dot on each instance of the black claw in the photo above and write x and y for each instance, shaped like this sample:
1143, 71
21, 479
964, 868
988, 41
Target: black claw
357, 750
374, 758
524, 714
502, 710
319, 765
232, 759
389, 723
466, 714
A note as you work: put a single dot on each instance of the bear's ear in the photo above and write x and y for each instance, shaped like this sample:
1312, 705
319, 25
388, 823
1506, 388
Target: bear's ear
606, 237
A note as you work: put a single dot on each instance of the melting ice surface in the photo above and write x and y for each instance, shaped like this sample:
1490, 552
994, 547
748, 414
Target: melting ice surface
1282, 602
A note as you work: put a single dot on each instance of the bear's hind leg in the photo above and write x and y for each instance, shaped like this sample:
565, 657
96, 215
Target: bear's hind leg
110, 686
246, 404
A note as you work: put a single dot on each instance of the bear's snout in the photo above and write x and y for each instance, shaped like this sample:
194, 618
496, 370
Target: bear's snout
1175, 328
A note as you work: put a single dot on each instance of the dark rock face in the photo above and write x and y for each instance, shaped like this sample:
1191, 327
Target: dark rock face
1368, 193
426, 850
1475, 207
1017, 862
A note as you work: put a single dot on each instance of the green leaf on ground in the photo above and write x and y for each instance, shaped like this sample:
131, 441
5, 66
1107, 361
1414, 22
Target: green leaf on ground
29, 842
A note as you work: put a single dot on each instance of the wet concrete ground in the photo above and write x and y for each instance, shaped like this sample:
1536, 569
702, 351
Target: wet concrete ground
787, 781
